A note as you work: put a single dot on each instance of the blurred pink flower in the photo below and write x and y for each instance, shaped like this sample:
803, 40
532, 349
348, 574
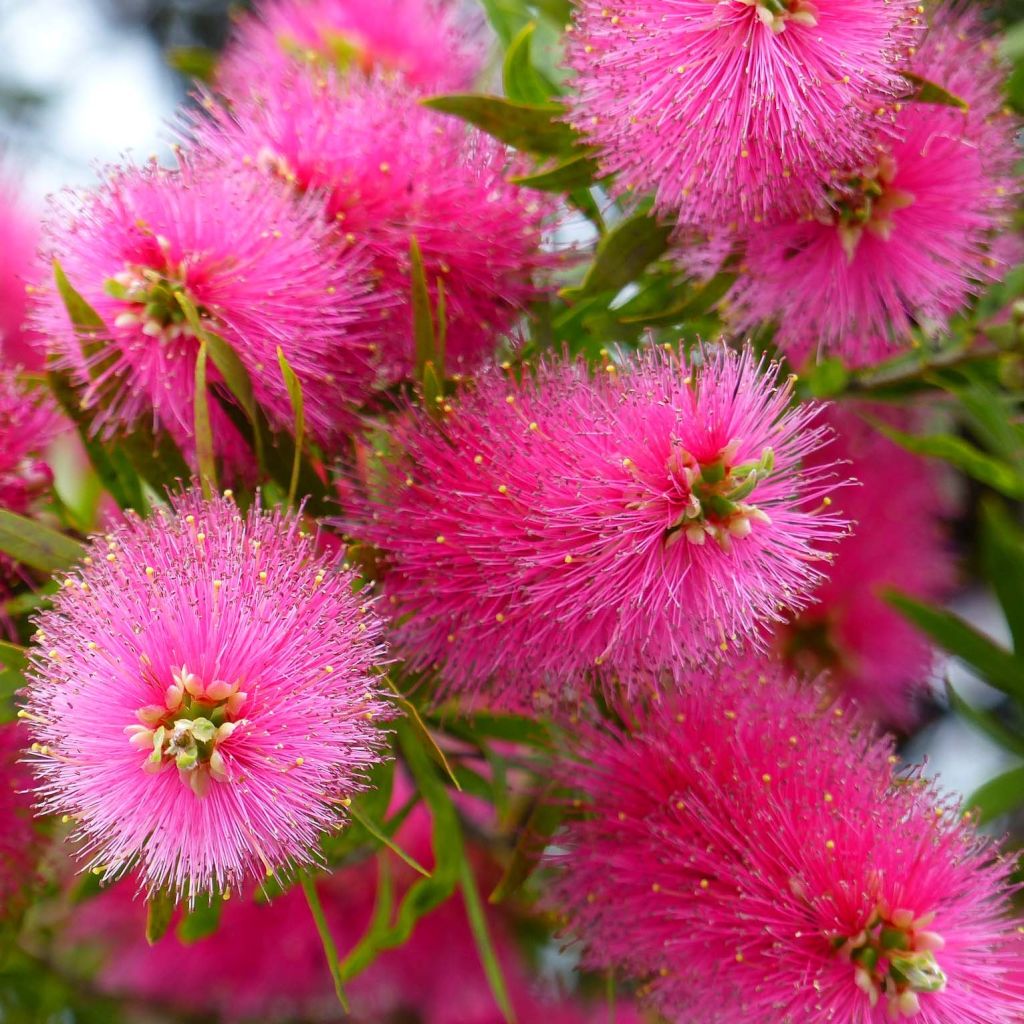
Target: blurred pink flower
564, 527
749, 851
201, 697
260, 270
19, 840
389, 170
908, 237
19, 345
428, 45
870, 651
736, 110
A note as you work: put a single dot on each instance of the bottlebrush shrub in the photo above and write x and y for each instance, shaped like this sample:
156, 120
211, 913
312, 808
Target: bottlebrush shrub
256, 267
907, 237
389, 170
736, 111
421, 43
202, 697
752, 853
898, 540
561, 527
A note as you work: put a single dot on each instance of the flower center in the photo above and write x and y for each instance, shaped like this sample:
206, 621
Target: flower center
712, 495
894, 958
866, 202
776, 13
151, 303
188, 729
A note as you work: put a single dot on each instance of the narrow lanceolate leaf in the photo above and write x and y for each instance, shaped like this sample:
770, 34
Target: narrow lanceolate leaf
13, 662
1002, 551
998, 796
523, 82
624, 253
999, 668
85, 319
986, 722
30, 543
482, 937
699, 302
326, 939
294, 386
998, 474
539, 827
202, 920
159, 911
204, 434
530, 127
577, 171
926, 91
422, 317
386, 841
415, 720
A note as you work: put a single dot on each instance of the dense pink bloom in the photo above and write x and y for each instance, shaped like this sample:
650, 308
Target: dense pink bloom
260, 269
736, 110
422, 43
19, 840
29, 421
750, 852
564, 526
389, 170
908, 238
18, 345
868, 648
201, 697
266, 961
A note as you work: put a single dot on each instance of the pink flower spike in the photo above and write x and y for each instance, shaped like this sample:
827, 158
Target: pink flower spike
562, 528
387, 170
750, 854
19, 345
220, 792
910, 235
736, 110
428, 45
872, 654
259, 269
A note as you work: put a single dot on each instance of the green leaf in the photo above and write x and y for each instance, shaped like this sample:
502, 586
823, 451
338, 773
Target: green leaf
326, 939
999, 475
294, 386
35, 545
204, 435
422, 317
827, 378
13, 656
926, 91
85, 319
577, 171
985, 722
1002, 552
482, 937
999, 668
201, 921
193, 62
13, 662
387, 841
998, 796
419, 727
623, 254
699, 302
530, 127
159, 912
540, 826
522, 80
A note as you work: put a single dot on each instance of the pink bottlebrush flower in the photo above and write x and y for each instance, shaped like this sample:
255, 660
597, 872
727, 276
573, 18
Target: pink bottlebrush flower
427, 45
262, 273
562, 527
750, 852
389, 170
29, 421
19, 346
736, 110
907, 238
201, 697
869, 649
19, 840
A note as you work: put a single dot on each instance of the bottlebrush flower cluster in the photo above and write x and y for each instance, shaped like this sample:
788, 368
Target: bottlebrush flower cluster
18, 234
420, 43
752, 856
165, 255
389, 171
560, 526
20, 838
203, 697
